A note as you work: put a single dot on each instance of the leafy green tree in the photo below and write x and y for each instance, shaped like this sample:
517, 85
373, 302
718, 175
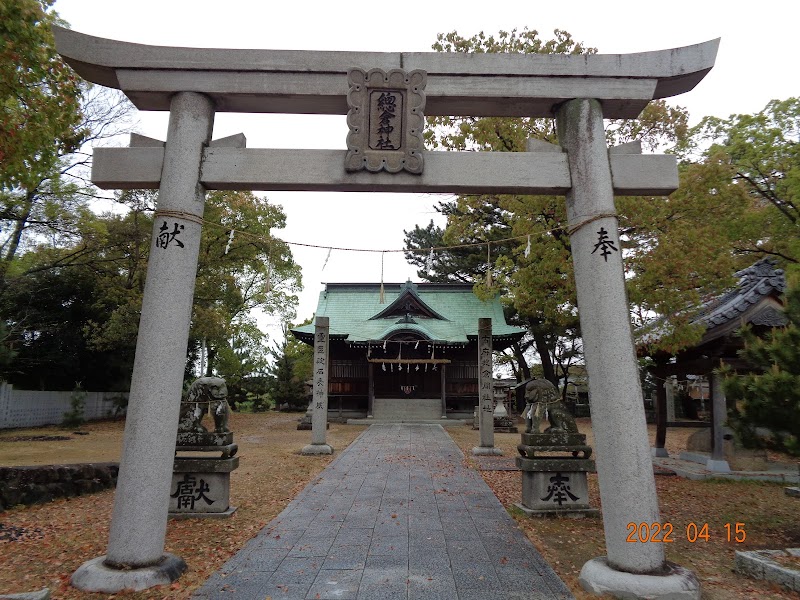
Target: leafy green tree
534, 277
76, 416
73, 311
47, 118
472, 220
40, 114
6, 353
759, 155
47, 227
53, 208
770, 397
236, 275
738, 202
47, 312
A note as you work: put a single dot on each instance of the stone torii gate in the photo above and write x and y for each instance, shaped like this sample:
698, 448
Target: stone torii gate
579, 91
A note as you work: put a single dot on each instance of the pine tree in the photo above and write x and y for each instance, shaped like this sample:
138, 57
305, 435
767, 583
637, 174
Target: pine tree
770, 398
284, 387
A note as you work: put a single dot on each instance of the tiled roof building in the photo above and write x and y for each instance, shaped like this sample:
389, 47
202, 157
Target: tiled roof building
407, 351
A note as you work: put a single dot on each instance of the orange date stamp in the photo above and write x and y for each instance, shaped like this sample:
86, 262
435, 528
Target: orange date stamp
664, 533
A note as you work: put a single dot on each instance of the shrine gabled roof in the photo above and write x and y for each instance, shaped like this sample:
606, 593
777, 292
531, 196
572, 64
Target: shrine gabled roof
755, 299
408, 299
757, 283
357, 314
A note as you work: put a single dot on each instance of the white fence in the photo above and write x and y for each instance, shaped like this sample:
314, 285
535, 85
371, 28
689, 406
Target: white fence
25, 408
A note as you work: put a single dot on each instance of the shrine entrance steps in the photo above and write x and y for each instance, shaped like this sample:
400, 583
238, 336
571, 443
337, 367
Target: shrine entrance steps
423, 411
407, 409
396, 516
442, 422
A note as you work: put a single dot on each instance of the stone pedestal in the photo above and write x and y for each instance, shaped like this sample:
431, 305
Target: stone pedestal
316, 449
201, 487
554, 467
305, 423
102, 575
502, 422
671, 582
505, 425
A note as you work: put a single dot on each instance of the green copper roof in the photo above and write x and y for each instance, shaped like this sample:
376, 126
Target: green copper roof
352, 308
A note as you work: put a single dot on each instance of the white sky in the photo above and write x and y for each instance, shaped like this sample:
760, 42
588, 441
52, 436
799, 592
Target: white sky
757, 62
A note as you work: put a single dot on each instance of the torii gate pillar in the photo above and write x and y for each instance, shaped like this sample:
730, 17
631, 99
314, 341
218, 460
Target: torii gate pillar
135, 558
624, 464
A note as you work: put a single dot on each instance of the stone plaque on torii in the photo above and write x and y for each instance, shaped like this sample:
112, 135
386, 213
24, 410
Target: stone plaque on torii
579, 91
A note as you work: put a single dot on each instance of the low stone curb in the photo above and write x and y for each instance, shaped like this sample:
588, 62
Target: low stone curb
40, 595
44, 483
759, 564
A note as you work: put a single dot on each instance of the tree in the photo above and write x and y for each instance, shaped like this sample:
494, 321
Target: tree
48, 228
47, 313
285, 388
48, 118
39, 110
476, 220
529, 255
738, 202
760, 156
238, 274
52, 207
6, 354
301, 355
770, 396
73, 311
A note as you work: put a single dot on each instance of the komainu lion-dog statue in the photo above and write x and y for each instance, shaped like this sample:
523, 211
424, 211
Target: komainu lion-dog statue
207, 394
543, 404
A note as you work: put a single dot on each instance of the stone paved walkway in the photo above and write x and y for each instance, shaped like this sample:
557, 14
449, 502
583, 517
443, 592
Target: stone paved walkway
396, 516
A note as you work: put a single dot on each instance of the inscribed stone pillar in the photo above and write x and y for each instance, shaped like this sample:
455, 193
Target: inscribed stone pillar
319, 402
139, 519
719, 414
624, 465
485, 390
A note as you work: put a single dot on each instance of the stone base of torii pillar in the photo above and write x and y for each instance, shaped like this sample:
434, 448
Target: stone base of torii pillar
97, 575
675, 583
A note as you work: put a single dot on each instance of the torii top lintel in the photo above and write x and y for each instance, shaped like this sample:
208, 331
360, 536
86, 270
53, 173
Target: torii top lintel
315, 82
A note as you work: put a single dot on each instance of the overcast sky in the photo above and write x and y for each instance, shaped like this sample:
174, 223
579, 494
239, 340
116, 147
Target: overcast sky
757, 62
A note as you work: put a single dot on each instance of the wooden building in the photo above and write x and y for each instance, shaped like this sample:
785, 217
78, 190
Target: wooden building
754, 301
407, 352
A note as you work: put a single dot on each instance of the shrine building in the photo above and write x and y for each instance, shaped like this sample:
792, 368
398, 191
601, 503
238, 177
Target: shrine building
407, 352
